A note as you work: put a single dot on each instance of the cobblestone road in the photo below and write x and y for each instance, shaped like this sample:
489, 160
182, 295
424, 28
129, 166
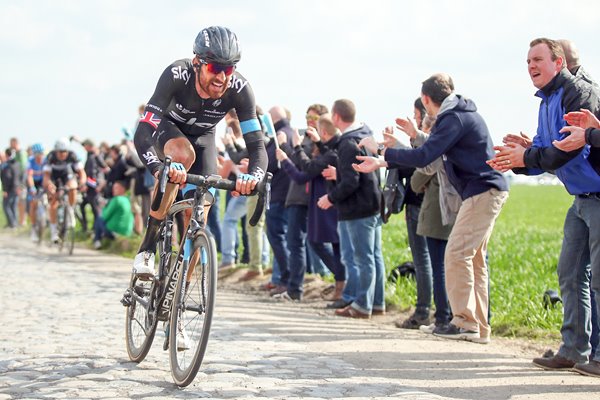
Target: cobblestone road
61, 336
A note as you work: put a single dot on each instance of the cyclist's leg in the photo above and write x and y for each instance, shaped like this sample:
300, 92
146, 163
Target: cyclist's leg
173, 142
71, 186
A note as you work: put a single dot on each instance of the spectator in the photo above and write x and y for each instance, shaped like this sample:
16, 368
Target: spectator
116, 217
94, 168
11, 179
560, 92
21, 159
357, 200
460, 134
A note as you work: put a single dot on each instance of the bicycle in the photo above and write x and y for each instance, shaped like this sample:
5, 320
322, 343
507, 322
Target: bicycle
170, 298
65, 216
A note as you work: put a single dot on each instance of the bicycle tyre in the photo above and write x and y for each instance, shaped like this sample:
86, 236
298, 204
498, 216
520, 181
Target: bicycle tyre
61, 226
139, 321
198, 303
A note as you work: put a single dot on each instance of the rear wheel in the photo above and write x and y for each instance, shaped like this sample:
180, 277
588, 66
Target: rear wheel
192, 312
140, 321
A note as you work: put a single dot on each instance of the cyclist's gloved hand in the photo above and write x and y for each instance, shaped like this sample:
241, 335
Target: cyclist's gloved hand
244, 184
177, 173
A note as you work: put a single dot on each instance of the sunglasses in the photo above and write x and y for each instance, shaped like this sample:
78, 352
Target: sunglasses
218, 68
311, 117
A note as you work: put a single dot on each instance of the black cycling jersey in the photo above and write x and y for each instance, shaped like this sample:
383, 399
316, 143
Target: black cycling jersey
62, 170
176, 102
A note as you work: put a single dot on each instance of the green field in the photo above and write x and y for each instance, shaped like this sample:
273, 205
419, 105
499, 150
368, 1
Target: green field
523, 253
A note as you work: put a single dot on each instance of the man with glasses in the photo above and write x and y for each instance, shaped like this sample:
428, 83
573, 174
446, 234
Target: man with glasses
62, 165
179, 120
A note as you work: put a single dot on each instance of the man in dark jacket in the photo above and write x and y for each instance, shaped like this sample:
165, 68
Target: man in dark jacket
357, 200
562, 93
461, 136
11, 179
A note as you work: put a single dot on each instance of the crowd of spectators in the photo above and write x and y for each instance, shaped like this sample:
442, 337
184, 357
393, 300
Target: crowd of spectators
326, 205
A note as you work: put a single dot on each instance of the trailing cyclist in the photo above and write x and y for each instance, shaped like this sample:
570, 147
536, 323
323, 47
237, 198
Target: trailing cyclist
191, 97
35, 178
62, 166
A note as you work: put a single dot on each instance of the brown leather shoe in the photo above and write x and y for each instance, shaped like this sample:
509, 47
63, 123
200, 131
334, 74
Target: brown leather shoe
350, 312
556, 363
277, 290
376, 312
251, 274
591, 368
268, 286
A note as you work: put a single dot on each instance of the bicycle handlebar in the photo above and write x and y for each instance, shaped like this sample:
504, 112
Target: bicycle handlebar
262, 189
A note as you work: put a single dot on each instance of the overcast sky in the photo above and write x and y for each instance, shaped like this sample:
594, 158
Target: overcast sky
83, 67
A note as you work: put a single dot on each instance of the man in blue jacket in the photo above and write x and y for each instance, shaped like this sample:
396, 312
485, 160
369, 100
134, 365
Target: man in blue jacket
461, 136
561, 93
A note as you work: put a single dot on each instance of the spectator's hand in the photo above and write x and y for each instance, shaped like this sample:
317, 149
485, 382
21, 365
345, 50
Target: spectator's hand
369, 143
243, 166
582, 119
507, 157
83, 188
312, 133
329, 173
296, 138
280, 154
407, 126
389, 140
368, 164
281, 137
324, 202
521, 139
574, 141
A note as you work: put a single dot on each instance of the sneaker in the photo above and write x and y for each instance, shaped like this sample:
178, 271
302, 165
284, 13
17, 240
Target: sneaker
183, 340
427, 328
143, 265
413, 322
277, 290
285, 296
97, 244
54, 233
556, 363
337, 304
34, 236
453, 332
591, 368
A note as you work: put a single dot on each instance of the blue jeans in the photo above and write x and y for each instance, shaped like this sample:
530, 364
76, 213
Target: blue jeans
277, 221
363, 234
329, 253
296, 243
379, 295
437, 249
236, 209
314, 263
9, 203
420, 254
580, 255
100, 230
347, 257
213, 223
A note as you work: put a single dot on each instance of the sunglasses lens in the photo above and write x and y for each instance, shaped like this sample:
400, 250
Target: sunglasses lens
217, 69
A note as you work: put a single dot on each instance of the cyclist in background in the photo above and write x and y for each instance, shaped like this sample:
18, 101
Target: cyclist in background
62, 165
35, 178
191, 97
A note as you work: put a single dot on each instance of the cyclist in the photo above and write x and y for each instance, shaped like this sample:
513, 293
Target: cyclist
35, 177
191, 97
61, 167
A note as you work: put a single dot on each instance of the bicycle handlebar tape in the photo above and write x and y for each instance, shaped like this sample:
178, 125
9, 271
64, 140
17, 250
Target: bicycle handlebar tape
264, 196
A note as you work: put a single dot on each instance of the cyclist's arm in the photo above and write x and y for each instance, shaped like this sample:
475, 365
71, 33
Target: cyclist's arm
153, 114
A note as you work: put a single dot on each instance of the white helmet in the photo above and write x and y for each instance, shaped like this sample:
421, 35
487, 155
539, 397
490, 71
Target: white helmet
61, 144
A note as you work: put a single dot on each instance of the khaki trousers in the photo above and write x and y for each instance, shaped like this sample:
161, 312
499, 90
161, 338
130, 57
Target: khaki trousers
466, 270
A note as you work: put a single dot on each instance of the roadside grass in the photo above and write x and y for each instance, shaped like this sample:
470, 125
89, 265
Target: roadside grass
523, 253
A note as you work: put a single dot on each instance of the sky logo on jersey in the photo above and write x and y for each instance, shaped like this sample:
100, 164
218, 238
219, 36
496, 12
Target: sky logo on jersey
150, 158
180, 73
150, 118
237, 83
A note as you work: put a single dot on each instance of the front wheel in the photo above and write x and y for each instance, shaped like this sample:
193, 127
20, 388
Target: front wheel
192, 311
